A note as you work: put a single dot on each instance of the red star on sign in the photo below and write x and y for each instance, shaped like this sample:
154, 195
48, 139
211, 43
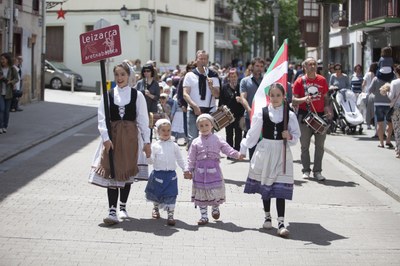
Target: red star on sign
61, 14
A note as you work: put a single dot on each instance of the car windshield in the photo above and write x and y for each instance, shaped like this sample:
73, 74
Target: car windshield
60, 66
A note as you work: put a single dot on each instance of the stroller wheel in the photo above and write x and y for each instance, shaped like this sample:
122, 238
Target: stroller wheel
360, 130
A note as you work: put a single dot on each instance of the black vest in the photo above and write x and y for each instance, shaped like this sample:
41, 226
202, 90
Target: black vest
130, 108
269, 126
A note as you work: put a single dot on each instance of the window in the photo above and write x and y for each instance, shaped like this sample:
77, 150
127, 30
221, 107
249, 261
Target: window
89, 28
35, 5
164, 45
18, 2
199, 41
183, 43
311, 27
311, 8
55, 43
219, 30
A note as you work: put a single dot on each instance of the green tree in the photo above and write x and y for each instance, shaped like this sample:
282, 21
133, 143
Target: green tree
257, 25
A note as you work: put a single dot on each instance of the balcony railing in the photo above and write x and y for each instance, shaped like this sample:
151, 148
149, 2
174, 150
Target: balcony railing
223, 12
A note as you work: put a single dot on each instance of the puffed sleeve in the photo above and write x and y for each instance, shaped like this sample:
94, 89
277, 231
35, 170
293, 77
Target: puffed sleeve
101, 121
294, 129
179, 159
142, 118
253, 135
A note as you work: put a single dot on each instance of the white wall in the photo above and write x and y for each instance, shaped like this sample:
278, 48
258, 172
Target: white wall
183, 15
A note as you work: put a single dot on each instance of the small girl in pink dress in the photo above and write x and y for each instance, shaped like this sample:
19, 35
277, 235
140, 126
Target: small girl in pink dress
208, 187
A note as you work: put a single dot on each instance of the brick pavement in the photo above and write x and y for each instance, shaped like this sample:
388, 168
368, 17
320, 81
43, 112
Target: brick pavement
51, 216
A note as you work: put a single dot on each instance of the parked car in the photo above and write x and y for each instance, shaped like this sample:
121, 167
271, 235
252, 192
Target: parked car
58, 76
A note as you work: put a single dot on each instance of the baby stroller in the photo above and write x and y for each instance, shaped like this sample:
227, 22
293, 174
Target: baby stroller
347, 116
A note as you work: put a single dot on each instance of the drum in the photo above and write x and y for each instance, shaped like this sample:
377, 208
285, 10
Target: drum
222, 117
316, 123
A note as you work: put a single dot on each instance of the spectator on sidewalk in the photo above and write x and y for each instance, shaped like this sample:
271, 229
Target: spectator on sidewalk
356, 80
162, 186
129, 131
394, 96
382, 106
310, 92
203, 162
17, 93
8, 79
339, 79
266, 175
369, 76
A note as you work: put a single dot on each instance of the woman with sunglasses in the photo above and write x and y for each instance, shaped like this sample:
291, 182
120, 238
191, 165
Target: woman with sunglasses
339, 80
150, 89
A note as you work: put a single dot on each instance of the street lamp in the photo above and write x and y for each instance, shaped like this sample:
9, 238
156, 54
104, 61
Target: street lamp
276, 10
124, 13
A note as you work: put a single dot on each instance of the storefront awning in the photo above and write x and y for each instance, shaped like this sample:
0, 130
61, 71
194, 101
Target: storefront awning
223, 44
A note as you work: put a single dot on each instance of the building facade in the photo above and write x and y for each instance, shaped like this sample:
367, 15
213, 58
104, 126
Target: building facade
358, 30
166, 31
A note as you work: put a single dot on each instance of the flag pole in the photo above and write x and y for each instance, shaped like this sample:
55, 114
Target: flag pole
285, 127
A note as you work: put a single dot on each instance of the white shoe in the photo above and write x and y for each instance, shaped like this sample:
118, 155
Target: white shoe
111, 219
4, 130
319, 176
306, 175
283, 232
123, 214
267, 224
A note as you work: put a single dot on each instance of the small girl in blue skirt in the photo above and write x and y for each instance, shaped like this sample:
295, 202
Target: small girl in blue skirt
162, 186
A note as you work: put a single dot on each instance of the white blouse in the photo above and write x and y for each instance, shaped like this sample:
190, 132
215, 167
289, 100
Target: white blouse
165, 155
276, 116
121, 98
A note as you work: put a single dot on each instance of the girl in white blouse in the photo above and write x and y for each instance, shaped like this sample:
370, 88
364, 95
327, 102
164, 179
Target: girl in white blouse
162, 186
271, 167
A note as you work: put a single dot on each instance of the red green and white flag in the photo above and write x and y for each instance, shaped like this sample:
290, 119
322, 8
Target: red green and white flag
277, 72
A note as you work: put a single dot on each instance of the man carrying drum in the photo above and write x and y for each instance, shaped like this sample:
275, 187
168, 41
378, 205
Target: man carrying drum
200, 89
310, 94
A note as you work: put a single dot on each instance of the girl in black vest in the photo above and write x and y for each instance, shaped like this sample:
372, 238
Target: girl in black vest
271, 167
129, 136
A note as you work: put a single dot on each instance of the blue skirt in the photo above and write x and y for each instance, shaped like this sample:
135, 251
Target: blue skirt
162, 188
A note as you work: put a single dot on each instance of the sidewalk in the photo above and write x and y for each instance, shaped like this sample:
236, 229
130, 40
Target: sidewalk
40, 121
63, 110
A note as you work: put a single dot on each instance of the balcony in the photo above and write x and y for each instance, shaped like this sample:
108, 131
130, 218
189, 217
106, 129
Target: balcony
339, 20
222, 12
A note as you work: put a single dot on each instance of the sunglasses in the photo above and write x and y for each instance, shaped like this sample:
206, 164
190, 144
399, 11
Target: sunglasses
337, 68
147, 70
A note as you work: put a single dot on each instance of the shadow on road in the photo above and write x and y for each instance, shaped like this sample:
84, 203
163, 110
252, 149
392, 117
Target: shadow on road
334, 183
17, 177
159, 227
312, 234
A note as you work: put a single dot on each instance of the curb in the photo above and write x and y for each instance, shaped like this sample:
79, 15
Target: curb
46, 138
367, 175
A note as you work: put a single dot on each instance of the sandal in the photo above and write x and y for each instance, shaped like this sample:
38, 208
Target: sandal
155, 213
203, 221
215, 214
389, 145
381, 146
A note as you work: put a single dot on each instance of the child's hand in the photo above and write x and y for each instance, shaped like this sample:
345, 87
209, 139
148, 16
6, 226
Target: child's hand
187, 175
147, 150
108, 145
286, 135
241, 157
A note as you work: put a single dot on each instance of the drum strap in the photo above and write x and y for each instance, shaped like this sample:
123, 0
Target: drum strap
303, 78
